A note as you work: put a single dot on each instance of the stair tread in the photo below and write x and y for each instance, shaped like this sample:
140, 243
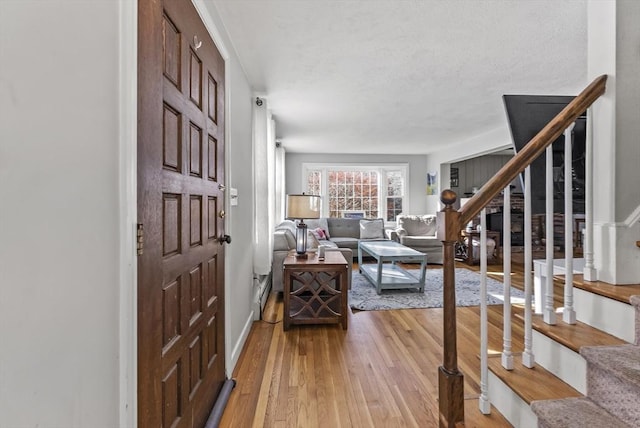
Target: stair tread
574, 412
623, 361
532, 384
621, 293
573, 336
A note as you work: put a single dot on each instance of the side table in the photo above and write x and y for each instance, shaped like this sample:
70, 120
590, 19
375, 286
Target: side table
468, 250
315, 291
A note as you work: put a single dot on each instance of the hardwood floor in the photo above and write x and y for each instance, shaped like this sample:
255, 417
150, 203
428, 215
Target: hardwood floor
381, 372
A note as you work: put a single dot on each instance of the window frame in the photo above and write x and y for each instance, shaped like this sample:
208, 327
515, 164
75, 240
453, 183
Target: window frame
381, 168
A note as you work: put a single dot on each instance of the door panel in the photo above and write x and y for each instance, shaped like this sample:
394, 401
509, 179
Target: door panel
180, 177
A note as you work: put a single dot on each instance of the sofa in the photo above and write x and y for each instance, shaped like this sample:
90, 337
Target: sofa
336, 234
419, 232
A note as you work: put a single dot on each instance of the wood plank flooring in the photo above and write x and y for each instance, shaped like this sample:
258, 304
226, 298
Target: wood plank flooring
520, 379
621, 293
381, 372
573, 336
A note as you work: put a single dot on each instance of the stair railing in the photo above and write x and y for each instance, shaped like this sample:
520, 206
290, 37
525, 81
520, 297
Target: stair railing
528, 358
587, 246
450, 223
568, 313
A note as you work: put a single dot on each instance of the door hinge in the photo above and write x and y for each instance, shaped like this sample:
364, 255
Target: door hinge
139, 239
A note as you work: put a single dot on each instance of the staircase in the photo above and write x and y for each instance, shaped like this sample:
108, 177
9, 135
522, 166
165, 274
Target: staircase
584, 377
579, 369
613, 384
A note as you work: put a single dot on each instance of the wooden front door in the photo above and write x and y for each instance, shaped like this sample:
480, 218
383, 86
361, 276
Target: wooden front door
181, 85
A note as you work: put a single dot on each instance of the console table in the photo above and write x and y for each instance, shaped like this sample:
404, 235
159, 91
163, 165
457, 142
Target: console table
466, 248
315, 291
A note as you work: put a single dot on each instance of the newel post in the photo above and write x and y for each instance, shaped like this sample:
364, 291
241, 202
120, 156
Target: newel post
450, 380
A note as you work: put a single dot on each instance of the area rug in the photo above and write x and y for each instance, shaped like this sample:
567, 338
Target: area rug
363, 296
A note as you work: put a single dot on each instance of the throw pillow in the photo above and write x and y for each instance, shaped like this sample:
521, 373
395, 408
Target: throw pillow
319, 234
312, 241
372, 229
321, 223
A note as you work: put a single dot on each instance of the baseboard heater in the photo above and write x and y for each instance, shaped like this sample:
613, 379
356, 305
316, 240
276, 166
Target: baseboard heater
262, 284
220, 404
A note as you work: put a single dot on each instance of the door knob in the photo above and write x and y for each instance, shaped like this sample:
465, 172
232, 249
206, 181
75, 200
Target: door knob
224, 238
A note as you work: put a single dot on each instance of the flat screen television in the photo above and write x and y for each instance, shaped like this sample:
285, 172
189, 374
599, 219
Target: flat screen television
527, 115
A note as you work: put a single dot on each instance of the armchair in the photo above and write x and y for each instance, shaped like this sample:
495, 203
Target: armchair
419, 232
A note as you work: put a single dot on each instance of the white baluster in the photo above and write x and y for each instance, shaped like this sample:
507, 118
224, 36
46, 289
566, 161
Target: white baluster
528, 359
483, 402
590, 273
507, 356
568, 313
549, 314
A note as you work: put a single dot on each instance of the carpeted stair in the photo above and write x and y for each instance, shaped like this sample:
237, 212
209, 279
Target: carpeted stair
613, 392
635, 301
613, 379
573, 412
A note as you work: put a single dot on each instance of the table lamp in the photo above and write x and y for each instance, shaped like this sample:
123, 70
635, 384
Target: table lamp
300, 207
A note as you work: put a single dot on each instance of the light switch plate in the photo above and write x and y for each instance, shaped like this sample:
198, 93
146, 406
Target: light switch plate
233, 194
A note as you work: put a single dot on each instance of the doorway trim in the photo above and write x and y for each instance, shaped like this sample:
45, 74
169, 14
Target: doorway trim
127, 199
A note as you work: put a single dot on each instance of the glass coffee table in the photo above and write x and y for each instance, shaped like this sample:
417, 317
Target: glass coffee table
385, 274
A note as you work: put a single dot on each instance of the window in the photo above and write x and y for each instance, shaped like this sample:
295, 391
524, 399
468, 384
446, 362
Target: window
395, 194
373, 191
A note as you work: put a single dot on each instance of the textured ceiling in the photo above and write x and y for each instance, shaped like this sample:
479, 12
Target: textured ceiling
402, 76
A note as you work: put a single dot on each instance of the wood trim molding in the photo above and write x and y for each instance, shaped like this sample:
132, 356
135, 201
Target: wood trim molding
127, 193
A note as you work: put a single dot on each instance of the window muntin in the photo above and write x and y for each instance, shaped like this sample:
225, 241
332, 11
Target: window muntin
376, 190
395, 194
314, 182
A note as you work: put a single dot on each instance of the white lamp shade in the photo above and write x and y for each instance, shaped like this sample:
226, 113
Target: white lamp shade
303, 206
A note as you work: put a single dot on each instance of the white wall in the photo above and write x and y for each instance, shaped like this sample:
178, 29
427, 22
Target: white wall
440, 161
239, 254
59, 213
417, 172
614, 37
627, 108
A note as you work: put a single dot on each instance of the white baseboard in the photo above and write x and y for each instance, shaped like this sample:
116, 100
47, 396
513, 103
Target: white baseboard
608, 315
261, 293
512, 407
561, 361
239, 345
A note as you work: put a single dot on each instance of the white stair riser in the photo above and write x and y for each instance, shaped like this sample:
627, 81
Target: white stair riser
510, 405
561, 361
608, 315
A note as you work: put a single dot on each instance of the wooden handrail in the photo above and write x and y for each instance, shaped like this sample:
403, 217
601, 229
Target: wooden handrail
450, 223
533, 149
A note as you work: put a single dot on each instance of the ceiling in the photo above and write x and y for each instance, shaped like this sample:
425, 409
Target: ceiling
402, 76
